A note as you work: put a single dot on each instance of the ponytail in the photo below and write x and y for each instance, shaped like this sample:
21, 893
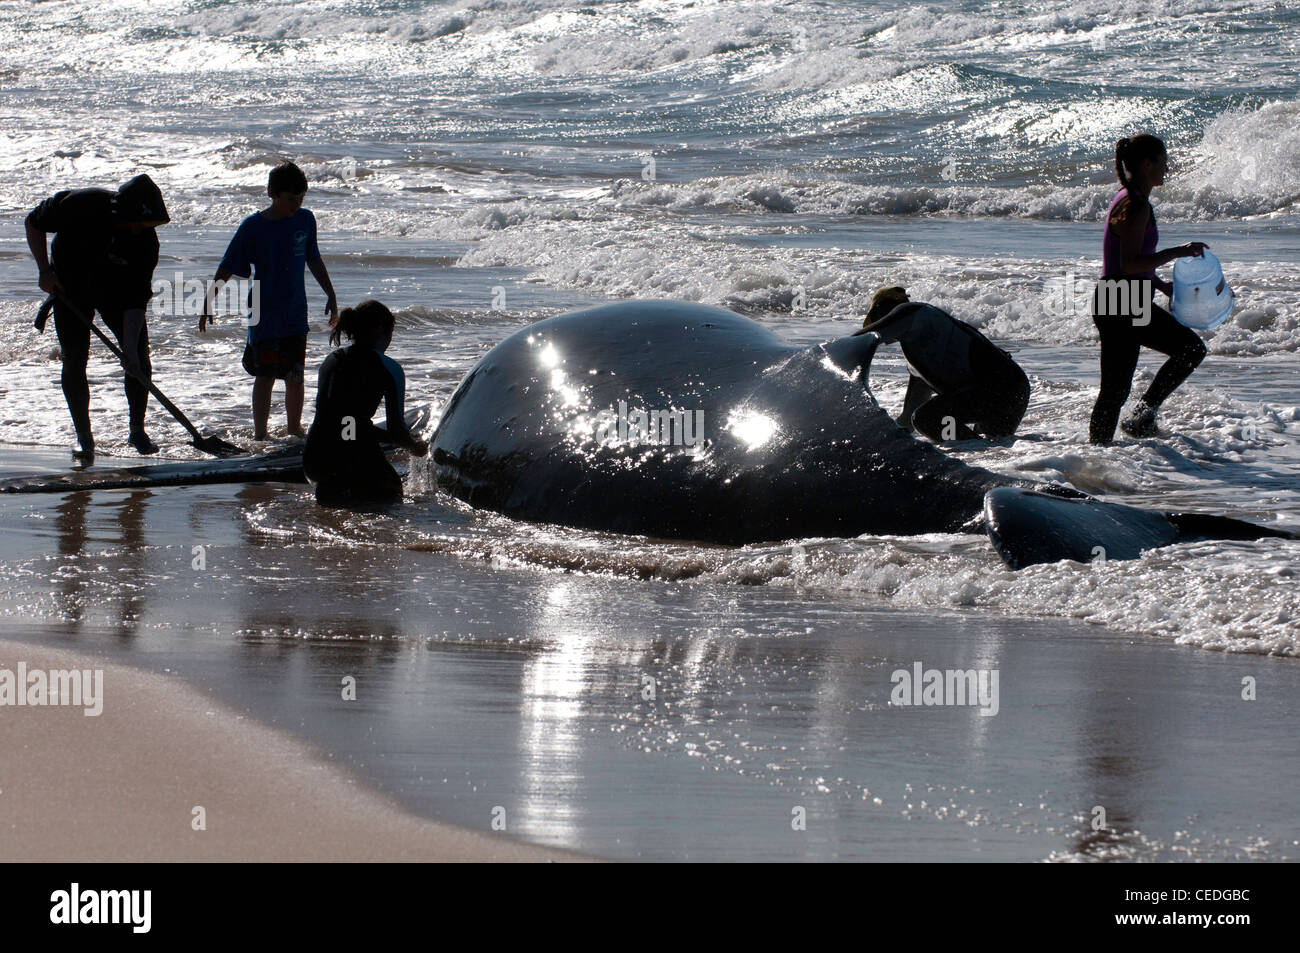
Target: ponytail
1129, 152
1121, 154
366, 324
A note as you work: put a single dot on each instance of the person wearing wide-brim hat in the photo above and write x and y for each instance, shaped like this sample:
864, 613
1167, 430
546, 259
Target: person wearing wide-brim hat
962, 385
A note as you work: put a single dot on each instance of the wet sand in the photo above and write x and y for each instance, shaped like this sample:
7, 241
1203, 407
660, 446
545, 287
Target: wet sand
124, 785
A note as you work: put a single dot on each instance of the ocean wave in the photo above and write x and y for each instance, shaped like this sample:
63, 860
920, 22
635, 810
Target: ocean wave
1009, 300
289, 20
1246, 163
1221, 185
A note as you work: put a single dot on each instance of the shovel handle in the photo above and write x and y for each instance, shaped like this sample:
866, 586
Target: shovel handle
117, 352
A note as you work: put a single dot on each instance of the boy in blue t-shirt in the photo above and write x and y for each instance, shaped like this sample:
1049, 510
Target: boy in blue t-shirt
274, 245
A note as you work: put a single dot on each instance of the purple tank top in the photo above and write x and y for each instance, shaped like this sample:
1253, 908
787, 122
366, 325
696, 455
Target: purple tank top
1110, 253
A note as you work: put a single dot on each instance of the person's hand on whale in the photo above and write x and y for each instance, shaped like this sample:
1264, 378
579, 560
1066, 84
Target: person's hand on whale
418, 447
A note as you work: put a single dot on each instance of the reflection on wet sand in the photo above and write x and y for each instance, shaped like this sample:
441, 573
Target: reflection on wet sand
81, 539
70, 524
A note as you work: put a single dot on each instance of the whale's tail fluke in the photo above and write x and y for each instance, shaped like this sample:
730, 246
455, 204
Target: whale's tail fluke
1029, 527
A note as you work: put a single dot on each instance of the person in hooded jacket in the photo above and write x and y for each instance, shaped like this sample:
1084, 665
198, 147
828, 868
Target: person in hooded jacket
104, 253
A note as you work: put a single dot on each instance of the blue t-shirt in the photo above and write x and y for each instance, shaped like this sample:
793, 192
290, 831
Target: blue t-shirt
274, 252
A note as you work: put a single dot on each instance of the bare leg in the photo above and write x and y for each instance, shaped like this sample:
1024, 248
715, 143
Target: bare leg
137, 394
918, 392
293, 399
262, 405
74, 347
1185, 350
1119, 357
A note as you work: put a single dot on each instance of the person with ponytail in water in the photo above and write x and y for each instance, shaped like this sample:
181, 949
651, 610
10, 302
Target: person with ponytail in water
1124, 311
343, 458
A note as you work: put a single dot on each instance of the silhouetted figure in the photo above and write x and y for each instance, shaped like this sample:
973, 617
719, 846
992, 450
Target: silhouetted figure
274, 246
962, 384
343, 458
1124, 309
104, 252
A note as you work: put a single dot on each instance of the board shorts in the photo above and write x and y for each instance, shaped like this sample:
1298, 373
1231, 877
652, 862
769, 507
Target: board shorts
282, 358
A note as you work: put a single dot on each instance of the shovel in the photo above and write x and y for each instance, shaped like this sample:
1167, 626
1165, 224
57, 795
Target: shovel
213, 445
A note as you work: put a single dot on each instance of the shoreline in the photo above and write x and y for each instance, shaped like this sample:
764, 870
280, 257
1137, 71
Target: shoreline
123, 785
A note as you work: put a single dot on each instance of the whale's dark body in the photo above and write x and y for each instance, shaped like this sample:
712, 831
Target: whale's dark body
792, 445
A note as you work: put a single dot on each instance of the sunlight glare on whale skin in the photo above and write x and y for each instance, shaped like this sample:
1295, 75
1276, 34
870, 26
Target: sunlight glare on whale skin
751, 428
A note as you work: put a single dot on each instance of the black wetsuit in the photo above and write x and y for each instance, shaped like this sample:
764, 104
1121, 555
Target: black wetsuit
961, 384
104, 268
343, 457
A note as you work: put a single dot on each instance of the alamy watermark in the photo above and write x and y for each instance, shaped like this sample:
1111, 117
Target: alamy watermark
191, 297
126, 907
74, 688
953, 686
642, 426
1121, 297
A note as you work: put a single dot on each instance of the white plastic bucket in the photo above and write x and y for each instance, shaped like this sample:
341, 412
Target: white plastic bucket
1202, 299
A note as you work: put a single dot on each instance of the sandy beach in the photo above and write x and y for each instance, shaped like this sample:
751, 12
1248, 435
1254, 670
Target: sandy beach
123, 785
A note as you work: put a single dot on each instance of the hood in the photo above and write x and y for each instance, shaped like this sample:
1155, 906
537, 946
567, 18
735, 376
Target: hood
140, 200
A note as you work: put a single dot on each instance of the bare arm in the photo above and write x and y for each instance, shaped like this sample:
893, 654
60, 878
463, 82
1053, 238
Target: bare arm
1131, 229
36, 243
394, 400
322, 277
220, 278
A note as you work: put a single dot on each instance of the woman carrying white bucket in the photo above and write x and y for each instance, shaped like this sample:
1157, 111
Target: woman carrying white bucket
1124, 310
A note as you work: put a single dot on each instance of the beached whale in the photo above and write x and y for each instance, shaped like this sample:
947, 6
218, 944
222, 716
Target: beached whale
677, 420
